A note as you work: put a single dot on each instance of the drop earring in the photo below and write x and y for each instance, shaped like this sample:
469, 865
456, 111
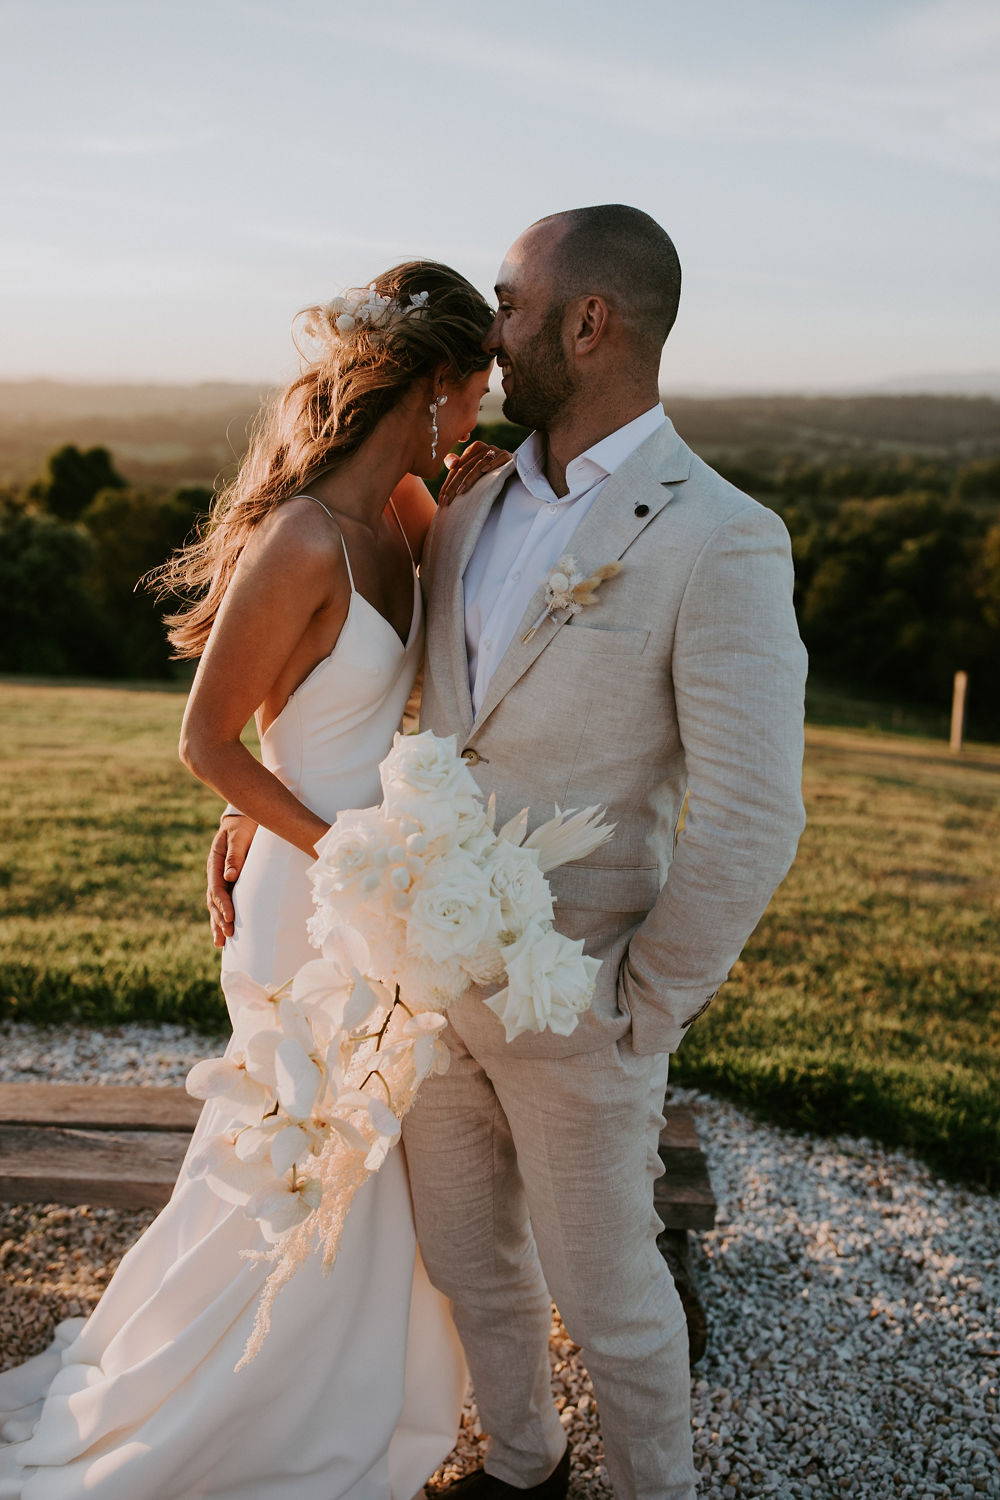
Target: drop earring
439, 401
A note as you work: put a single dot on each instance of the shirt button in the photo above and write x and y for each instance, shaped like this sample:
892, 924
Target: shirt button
515, 578
471, 757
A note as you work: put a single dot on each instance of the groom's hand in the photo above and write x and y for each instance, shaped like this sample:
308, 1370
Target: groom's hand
465, 468
226, 859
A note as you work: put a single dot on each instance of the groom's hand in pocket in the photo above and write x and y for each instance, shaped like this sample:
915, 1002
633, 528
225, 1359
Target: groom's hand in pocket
226, 859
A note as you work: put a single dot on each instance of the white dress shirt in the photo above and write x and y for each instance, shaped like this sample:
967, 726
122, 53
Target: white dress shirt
525, 536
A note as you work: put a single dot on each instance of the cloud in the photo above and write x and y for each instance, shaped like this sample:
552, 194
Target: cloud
922, 86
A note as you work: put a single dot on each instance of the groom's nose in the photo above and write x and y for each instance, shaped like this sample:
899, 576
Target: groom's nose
491, 343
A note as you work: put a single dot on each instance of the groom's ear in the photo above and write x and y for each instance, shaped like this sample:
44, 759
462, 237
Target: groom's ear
590, 318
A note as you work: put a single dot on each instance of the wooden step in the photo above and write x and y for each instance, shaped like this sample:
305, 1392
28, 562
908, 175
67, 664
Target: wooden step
112, 1168
98, 1107
683, 1196
121, 1146
116, 1146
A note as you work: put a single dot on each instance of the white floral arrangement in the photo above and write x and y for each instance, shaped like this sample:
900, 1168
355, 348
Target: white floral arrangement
364, 307
417, 901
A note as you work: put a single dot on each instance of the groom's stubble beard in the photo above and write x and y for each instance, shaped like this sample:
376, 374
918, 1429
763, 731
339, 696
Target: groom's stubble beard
543, 382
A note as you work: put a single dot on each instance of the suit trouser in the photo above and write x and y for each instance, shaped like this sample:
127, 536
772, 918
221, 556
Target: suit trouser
535, 1176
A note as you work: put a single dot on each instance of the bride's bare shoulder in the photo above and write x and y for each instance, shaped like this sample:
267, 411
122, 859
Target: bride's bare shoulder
298, 545
299, 527
415, 508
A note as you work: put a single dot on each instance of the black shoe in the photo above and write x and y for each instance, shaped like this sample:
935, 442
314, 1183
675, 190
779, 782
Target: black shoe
482, 1486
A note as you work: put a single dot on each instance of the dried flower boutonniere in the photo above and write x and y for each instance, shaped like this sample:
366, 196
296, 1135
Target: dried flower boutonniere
566, 588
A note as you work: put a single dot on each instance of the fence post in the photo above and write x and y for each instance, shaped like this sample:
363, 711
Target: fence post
958, 712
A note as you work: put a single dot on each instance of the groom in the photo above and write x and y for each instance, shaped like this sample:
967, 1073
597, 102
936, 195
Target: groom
532, 1163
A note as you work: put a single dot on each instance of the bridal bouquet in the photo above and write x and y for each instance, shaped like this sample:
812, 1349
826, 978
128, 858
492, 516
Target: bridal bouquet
416, 901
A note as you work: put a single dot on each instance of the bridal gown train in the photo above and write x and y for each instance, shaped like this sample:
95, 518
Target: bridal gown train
357, 1391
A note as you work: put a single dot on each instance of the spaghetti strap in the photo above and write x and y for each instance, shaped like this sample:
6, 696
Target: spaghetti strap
333, 518
406, 539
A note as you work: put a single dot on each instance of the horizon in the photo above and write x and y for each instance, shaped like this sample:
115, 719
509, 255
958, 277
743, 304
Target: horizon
969, 385
830, 179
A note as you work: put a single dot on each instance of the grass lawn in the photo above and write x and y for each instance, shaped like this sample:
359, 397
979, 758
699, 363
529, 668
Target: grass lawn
863, 1003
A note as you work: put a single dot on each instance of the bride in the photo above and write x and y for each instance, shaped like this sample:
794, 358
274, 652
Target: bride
308, 614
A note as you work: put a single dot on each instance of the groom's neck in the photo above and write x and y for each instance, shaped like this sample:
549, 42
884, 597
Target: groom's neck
585, 423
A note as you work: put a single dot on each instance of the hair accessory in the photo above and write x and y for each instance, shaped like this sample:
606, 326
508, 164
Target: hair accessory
364, 307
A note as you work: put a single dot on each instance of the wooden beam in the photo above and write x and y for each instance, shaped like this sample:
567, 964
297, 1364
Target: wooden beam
98, 1106
683, 1196
122, 1146
112, 1168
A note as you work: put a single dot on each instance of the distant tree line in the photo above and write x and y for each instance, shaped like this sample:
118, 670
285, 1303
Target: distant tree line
73, 548
897, 562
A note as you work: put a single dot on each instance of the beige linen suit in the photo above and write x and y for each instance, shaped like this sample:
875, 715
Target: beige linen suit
532, 1162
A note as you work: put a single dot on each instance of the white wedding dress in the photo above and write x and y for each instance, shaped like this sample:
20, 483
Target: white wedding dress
357, 1391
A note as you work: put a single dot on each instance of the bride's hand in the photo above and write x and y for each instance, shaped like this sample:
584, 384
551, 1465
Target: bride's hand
465, 468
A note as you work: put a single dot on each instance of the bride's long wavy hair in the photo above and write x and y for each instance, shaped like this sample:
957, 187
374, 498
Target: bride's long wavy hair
320, 419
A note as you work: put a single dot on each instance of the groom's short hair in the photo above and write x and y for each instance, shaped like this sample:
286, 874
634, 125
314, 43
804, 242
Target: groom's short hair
623, 254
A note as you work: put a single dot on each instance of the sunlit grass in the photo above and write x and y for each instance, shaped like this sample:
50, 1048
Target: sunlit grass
866, 1000
863, 1003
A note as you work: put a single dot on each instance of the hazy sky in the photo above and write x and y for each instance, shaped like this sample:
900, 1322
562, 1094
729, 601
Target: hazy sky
178, 178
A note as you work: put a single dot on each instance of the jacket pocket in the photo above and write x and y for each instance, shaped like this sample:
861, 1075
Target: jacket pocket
588, 639
609, 888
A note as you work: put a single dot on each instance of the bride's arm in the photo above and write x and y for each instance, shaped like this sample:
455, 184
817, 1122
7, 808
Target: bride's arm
284, 577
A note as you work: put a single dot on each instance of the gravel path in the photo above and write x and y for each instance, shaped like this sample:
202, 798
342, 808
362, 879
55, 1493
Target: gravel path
852, 1299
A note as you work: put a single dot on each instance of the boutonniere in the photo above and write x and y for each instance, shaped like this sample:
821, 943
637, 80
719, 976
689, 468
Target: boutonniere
566, 588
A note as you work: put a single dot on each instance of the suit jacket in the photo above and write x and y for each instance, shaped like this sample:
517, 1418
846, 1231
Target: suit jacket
685, 677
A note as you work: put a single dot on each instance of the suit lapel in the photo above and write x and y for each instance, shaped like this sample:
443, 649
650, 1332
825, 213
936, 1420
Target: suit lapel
464, 528
604, 535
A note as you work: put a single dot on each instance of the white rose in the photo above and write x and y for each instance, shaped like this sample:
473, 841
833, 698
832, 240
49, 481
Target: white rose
349, 851
519, 885
440, 818
453, 911
550, 983
427, 764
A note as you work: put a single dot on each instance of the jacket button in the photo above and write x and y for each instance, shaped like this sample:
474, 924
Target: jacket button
642, 510
471, 757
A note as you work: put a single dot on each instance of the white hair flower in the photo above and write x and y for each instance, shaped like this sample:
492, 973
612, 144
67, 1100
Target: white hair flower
364, 307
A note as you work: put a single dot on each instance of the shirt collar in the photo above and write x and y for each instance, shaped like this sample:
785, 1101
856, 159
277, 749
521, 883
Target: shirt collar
588, 468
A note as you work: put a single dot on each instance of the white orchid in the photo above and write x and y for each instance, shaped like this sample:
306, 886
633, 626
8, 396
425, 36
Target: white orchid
418, 1040
230, 1177
247, 999
245, 1077
388, 1128
280, 1205
331, 1000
